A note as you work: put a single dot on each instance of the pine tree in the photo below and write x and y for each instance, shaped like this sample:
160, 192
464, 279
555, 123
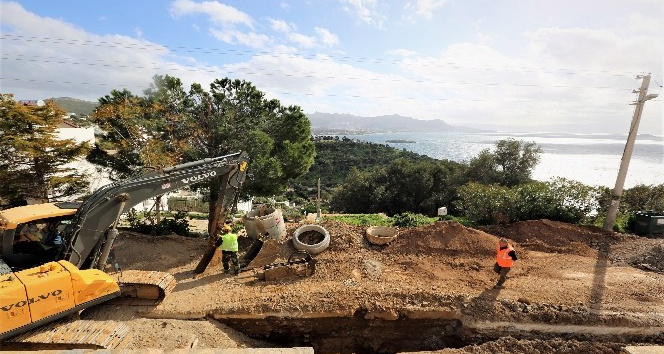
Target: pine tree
32, 158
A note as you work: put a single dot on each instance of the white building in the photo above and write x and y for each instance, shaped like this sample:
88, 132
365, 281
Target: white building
97, 176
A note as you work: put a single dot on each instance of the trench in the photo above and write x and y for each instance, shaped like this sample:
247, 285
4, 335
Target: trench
353, 334
359, 334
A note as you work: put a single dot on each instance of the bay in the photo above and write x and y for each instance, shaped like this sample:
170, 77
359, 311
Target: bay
592, 159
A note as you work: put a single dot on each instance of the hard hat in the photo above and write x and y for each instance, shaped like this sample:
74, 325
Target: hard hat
226, 227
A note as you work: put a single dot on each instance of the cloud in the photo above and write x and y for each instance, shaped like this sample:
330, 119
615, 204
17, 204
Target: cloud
595, 49
233, 36
557, 76
281, 26
366, 11
226, 21
218, 13
326, 37
302, 40
402, 52
424, 8
52, 58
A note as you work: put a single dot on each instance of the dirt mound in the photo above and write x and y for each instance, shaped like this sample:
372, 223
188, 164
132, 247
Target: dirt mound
555, 237
446, 237
515, 346
159, 253
652, 260
344, 237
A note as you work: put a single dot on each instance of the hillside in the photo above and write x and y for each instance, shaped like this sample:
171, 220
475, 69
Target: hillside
74, 105
335, 159
335, 123
322, 123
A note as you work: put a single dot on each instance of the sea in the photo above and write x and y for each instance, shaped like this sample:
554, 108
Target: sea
592, 159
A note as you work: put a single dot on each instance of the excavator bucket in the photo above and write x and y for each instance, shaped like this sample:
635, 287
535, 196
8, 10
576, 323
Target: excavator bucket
266, 229
259, 254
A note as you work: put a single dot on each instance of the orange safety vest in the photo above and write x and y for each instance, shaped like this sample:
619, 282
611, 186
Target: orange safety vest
503, 258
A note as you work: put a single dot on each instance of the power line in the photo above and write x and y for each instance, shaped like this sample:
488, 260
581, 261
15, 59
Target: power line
317, 95
344, 58
300, 74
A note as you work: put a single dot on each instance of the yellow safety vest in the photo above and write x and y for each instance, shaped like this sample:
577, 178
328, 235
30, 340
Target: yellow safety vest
229, 242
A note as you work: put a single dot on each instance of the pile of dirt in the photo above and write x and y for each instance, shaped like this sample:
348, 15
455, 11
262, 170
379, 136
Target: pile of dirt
555, 237
515, 346
160, 253
446, 237
345, 237
653, 260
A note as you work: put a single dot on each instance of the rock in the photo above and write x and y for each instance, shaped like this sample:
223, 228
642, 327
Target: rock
524, 300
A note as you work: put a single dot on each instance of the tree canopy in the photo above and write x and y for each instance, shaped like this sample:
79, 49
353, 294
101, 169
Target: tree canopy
510, 164
401, 186
33, 160
172, 125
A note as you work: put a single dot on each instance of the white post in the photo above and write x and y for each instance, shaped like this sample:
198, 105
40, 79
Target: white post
318, 201
627, 153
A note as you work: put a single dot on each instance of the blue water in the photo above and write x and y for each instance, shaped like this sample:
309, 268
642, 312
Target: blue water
593, 159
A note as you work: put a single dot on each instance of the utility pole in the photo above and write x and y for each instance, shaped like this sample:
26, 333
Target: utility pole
627, 153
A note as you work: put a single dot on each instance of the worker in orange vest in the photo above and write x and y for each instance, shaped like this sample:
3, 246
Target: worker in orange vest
505, 257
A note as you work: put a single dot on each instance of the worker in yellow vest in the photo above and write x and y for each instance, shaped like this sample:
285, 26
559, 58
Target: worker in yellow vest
229, 248
505, 257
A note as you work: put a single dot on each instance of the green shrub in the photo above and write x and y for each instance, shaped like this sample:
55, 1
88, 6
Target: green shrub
462, 221
292, 214
198, 216
361, 219
560, 200
177, 224
412, 220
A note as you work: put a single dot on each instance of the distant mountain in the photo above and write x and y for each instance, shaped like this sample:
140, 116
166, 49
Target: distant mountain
322, 123
74, 105
336, 123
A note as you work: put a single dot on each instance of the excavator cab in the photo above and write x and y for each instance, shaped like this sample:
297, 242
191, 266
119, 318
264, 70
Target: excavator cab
31, 234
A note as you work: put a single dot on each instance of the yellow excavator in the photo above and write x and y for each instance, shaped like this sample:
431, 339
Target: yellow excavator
53, 256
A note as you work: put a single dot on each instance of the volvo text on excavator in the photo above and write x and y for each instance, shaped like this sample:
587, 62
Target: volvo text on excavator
53, 255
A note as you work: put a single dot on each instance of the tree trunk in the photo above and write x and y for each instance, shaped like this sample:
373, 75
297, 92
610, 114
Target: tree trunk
216, 219
157, 209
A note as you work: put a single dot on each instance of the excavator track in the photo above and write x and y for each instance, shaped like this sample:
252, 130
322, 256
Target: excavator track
142, 288
137, 288
72, 334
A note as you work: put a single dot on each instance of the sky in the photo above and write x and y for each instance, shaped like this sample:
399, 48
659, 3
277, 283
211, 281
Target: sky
509, 65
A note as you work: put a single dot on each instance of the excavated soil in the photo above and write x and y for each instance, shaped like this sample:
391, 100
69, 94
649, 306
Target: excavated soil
574, 289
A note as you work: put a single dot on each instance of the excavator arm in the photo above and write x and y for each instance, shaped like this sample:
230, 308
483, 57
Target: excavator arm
91, 233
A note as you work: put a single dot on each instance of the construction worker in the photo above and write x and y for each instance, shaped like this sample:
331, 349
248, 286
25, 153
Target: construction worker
229, 248
505, 257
